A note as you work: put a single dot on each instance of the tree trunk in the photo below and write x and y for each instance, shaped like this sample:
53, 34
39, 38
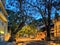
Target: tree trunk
49, 21
12, 38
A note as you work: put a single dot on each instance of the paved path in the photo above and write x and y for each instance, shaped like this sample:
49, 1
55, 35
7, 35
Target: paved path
39, 43
7, 43
31, 43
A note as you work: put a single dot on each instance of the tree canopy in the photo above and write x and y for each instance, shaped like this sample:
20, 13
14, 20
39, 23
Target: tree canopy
28, 29
29, 10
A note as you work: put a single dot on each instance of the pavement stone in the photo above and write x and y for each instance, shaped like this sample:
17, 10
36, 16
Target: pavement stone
7, 43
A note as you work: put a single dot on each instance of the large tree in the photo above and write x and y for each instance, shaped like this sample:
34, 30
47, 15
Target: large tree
38, 9
16, 20
45, 8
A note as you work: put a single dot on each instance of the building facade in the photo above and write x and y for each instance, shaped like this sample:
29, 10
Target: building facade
57, 27
3, 21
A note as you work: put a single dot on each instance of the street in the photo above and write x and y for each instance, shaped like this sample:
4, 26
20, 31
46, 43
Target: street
7, 43
30, 43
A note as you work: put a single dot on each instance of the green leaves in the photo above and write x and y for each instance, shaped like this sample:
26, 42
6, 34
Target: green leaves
28, 29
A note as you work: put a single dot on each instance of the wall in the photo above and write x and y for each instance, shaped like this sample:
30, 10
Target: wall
57, 28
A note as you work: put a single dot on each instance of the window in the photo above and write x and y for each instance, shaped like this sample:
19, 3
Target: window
52, 34
59, 26
56, 27
1, 27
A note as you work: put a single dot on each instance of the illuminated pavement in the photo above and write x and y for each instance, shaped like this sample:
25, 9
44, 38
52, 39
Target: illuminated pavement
39, 43
30, 43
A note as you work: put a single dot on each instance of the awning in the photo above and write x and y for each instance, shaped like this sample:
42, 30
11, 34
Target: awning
2, 17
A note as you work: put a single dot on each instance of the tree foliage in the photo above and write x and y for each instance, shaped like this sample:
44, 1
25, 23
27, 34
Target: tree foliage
37, 9
27, 29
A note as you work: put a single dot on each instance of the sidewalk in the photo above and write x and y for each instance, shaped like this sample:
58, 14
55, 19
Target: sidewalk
7, 43
39, 43
31, 43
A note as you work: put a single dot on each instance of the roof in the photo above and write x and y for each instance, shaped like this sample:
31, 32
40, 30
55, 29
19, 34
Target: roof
3, 17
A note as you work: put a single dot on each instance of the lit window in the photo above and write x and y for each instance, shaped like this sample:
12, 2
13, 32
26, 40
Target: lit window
52, 34
56, 27
59, 26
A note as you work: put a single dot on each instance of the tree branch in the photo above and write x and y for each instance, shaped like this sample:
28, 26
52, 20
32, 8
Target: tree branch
55, 4
40, 11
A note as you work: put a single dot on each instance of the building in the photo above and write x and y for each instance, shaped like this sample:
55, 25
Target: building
57, 27
3, 21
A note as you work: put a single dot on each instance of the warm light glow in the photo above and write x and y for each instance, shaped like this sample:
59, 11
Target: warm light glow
3, 17
57, 28
39, 36
2, 32
7, 36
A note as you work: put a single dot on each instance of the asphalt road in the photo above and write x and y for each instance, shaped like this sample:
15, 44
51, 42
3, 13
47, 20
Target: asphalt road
34, 43
39, 43
30, 43
25, 43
